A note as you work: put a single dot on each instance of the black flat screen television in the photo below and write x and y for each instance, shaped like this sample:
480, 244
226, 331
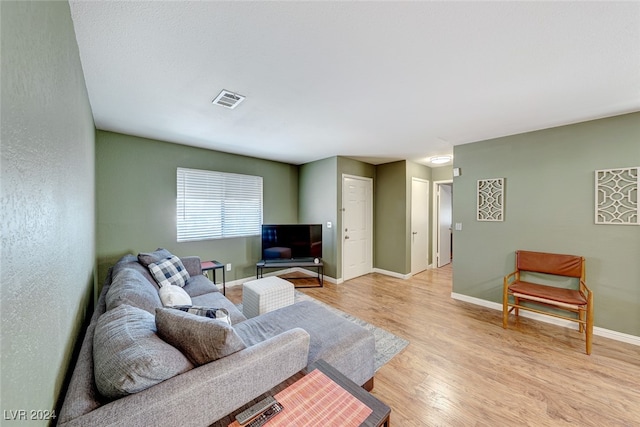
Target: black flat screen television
291, 241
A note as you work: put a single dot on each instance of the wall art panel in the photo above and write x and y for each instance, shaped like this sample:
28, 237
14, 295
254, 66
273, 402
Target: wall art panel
616, 199
491, 199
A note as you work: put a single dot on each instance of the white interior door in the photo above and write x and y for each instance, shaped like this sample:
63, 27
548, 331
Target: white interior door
357, 219
444, 224
419, 225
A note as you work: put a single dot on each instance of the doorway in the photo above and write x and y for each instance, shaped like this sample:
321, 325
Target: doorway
443, 236
419, 225
357, 226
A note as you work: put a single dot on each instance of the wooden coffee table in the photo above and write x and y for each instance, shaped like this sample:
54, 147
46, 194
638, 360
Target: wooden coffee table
379, 415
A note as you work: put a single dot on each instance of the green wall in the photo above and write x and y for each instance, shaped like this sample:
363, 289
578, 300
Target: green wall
318, 205
48, 212
393, 214
136, 200
549, 207
442, 173
390, 210
321, 201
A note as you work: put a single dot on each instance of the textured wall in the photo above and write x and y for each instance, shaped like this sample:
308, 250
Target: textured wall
549, 207
136, 200
47, 190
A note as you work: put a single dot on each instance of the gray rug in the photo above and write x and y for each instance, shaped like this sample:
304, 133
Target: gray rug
387, 344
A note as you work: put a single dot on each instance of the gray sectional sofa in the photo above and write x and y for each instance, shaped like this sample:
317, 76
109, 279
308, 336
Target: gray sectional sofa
126, 374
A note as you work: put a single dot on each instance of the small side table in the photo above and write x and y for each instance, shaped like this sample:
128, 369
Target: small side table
213, 266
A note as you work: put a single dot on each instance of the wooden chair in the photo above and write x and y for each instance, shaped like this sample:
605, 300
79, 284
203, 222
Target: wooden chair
578, 301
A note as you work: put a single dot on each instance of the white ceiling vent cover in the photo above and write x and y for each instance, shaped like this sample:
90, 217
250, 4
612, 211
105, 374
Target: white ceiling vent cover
228, 99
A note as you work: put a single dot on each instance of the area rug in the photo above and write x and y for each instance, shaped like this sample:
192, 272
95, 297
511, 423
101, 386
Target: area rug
387, 344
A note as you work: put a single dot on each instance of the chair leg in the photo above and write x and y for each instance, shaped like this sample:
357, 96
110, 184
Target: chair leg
505, 307
589, 327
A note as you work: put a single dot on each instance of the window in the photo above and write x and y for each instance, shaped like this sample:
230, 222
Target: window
217, 205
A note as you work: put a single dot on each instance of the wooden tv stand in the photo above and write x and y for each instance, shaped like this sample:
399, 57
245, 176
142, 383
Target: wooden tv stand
319, 266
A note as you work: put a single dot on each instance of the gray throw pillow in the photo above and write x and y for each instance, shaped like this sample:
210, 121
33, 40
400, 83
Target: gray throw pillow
146, 258
201, 339
128, 356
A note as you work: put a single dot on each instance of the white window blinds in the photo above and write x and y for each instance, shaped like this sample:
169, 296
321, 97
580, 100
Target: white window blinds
216, 205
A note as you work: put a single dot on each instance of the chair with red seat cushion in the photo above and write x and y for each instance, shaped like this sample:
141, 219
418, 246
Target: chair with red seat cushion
579, 300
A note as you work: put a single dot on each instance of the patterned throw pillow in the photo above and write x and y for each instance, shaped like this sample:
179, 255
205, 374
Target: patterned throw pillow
211, 313
169, 271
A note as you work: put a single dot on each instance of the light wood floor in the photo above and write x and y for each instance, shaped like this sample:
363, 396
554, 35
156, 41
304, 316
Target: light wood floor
462, 369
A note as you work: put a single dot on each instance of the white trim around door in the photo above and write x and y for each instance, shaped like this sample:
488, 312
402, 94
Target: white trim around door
436, 220
356, 232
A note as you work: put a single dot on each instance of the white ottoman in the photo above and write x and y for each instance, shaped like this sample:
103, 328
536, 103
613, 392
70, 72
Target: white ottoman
266, 294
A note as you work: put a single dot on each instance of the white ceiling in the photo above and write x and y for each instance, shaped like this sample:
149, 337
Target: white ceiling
379, 81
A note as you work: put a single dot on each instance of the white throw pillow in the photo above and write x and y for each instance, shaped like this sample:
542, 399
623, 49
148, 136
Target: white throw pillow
171, 295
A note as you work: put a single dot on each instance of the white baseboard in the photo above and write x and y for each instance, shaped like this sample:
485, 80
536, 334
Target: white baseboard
607, 333
304, 271
392, 274
239, 282
398, 275
313, 275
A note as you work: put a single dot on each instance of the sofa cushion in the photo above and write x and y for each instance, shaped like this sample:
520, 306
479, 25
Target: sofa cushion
129, 286
200, 285
131, 262
129, 356
169, 271
146, 258
200, 338
345, 345
174, 295
216, 299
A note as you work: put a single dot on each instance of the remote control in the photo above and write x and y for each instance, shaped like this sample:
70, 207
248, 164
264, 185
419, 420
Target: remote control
250, 413
271, 412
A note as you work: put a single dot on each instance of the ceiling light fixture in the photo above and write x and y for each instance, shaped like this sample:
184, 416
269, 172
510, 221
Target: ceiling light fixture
438, 160
228, 99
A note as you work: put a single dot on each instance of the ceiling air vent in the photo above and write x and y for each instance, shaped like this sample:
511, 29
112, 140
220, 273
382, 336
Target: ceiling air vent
228, 99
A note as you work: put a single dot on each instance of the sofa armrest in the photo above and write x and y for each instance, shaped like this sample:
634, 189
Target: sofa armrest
192, 264
205, 394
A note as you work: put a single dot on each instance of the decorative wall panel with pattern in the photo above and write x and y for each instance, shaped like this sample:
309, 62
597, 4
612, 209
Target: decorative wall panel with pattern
491, 199
617, 196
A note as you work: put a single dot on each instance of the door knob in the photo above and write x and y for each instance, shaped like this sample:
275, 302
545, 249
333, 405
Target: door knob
346, 237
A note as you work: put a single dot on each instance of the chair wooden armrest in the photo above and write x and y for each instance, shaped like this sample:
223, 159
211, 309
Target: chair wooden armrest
583, 287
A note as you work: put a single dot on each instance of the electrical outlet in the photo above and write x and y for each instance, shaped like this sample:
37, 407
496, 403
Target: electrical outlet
329, 225
229, 267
